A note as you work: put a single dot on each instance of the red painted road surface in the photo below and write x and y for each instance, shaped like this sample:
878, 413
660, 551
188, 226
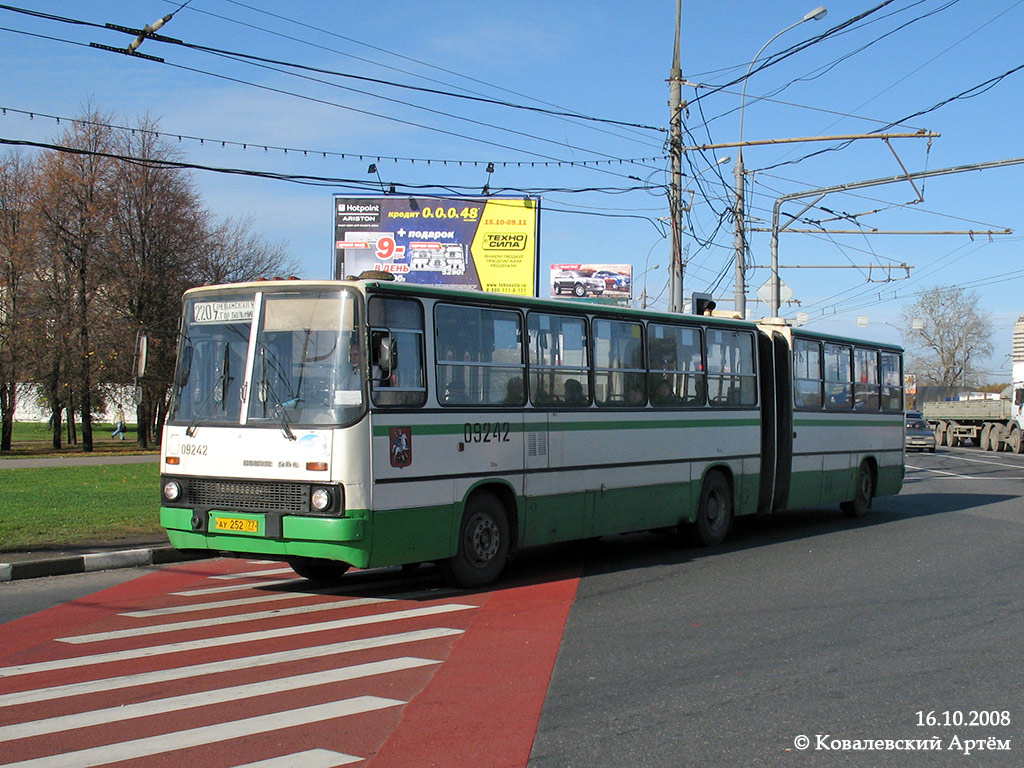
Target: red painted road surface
237, 663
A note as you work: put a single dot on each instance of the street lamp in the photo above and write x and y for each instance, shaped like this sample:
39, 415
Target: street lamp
740, 240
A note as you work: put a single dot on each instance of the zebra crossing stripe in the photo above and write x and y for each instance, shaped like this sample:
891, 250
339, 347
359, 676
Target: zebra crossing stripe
214, 642
209, 734
238, 618
311, 758
234, 587
206, 698
228, 665
219, 604
251, 574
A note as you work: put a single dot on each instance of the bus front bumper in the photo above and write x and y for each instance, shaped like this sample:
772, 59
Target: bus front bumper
267, 534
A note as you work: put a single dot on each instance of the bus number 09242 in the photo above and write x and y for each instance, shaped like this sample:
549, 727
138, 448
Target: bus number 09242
486, 432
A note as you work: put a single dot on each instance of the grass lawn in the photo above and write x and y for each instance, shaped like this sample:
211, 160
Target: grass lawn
71, 505
31, 439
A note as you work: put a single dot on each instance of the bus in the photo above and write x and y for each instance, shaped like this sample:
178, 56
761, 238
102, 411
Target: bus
367, 423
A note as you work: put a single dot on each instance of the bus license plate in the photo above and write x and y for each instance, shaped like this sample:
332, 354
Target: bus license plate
236, 524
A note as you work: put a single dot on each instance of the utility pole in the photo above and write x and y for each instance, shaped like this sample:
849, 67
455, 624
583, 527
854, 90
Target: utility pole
675, 194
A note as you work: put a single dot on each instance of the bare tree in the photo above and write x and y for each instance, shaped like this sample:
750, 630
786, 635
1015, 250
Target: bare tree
117, 237
161, 239
948, 337
238, 253
17, 246
75, 206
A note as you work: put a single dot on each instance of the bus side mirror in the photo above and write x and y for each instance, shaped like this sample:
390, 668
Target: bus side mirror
186, 367
701, 303
386, 353
141, 350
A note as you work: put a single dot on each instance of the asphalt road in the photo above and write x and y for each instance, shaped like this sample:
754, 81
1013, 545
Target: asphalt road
870, 638
806, 625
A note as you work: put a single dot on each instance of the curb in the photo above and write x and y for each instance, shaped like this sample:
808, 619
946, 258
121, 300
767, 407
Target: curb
97, 561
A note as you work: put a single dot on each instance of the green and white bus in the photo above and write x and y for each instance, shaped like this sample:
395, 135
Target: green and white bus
371, 423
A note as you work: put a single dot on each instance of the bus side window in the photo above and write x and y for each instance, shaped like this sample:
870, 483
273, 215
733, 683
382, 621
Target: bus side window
397, 373
486, 347
807, 374
838, 377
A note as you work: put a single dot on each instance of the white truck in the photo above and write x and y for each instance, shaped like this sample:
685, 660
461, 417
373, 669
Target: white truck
992, 425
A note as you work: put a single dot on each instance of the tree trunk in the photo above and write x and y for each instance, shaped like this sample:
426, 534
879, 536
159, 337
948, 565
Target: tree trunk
72, 432
142, 416
55, 423
85, 395
7, 408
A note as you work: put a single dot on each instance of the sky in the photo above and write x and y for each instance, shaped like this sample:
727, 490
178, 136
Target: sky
581, 121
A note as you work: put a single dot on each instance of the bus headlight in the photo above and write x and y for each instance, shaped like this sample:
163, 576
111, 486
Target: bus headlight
172, 490
320, 499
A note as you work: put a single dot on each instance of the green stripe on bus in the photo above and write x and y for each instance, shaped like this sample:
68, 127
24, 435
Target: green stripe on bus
575, 426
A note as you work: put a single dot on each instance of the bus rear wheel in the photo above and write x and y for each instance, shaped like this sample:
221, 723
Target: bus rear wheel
316, 569
483, 542
864, 490
714, 512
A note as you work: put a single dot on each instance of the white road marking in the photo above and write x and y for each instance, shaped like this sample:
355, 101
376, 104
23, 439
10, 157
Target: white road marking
959, 476
206, 698
311, 758
228, 665
255, 574
180, 626
178, 740
235, 587
217, 605
213, 642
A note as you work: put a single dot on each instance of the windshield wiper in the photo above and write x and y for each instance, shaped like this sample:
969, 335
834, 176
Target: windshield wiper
223, 381
268, 390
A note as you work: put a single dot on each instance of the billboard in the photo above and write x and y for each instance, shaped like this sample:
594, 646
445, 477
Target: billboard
487, 244
612, 281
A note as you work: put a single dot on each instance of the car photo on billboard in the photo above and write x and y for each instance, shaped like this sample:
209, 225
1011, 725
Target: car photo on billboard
592, 280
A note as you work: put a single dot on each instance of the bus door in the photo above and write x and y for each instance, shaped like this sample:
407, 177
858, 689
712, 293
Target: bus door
777, 430
769, 425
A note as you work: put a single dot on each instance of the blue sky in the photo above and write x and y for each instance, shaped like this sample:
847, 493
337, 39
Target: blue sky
607, 60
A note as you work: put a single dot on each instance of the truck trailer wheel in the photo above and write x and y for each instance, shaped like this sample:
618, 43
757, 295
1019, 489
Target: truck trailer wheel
996, 438
1015, 442
985, 437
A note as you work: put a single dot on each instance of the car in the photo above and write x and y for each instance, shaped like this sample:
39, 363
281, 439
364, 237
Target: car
613, 281
919, 435
577, 283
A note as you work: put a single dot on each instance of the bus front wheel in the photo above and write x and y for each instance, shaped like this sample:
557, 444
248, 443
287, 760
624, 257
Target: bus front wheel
316, 569
714, 512
483, 542
865, 489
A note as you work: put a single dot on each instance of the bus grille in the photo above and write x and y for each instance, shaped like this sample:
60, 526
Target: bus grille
247, 496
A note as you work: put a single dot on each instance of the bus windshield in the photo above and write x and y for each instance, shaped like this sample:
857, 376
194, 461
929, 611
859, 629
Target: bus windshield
306, 367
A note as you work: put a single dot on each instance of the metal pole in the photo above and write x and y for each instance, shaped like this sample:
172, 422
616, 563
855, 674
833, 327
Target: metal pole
740, 244
675, 299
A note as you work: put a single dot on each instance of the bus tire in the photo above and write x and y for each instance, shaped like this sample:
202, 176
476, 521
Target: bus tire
483, 542
714, 511
317, 569
863, 492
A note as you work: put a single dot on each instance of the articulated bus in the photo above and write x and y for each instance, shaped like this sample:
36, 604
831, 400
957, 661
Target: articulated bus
367, 423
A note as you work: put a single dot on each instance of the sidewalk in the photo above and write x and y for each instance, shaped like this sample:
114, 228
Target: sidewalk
123, 553
90, 556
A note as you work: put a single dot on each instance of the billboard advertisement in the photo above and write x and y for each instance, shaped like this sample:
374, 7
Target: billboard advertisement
487, 244
582, 281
